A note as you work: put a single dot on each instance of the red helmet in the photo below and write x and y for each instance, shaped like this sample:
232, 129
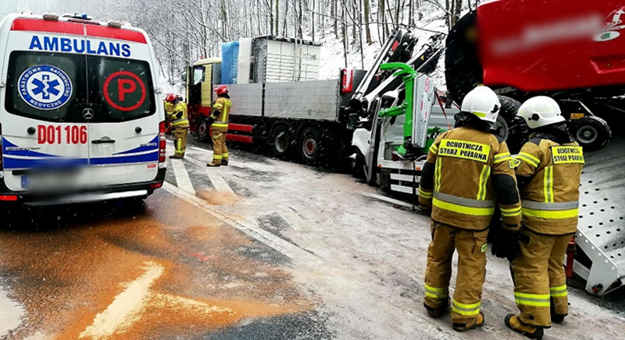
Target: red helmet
221, 89
171, 97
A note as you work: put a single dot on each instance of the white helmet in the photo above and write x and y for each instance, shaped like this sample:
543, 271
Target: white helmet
482, 102
541, 111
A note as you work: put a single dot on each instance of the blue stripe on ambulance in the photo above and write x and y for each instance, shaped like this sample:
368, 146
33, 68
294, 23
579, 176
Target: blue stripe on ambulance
152, 145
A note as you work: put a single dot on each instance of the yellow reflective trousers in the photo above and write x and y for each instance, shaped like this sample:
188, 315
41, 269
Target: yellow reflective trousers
540, 278
471, 247
220, 150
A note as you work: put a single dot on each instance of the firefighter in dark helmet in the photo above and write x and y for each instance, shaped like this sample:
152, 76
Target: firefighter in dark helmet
218, 123
468, 171
549, 171
179, 124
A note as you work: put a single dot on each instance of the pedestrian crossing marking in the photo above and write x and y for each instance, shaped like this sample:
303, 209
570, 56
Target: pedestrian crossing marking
182, 176
219, 183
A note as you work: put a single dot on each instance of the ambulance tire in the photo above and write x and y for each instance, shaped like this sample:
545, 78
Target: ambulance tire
591, 132
281, 140
203, 130
309, 143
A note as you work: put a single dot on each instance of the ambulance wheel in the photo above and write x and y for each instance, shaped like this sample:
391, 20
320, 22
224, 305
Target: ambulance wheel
203, 131
591, 132
310, 144
281, 140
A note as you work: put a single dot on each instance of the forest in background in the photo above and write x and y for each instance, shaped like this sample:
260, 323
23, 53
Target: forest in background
183, 31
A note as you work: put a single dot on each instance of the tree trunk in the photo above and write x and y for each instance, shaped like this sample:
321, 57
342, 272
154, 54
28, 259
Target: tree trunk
335, 14
285, 30
312, 19
382, 15
344, 33
300, 16
277, 17
367, 6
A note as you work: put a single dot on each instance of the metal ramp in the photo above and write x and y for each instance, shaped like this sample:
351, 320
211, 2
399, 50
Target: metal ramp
601, 228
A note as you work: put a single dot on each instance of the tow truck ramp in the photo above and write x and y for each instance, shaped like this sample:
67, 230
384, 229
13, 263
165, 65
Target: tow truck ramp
601, 228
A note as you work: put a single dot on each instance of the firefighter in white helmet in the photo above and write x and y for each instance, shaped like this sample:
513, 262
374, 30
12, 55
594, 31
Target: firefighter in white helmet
467, 170
549, 171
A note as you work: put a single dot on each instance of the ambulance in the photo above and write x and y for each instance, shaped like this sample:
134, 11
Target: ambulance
81, 118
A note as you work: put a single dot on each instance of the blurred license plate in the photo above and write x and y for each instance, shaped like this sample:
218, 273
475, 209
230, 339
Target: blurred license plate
47, 180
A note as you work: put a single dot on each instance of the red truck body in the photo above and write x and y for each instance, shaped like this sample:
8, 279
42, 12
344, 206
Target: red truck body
546, 45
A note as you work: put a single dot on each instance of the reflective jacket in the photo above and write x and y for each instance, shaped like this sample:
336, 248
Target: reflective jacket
466, 172
183, 121
169, 109
551, 198
221, 113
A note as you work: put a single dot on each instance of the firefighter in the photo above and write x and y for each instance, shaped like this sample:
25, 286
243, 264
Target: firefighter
467, 169
549, 172
218, 121
179, 123
169, 110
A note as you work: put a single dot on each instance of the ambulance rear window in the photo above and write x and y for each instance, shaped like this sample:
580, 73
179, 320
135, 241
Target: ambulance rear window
46, 86
121, 87
75, 88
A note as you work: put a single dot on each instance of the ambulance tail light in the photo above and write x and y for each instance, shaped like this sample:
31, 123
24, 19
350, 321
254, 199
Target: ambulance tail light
51, 17
1, 150
161, 142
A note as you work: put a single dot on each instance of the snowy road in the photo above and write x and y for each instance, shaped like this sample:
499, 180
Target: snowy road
262, 249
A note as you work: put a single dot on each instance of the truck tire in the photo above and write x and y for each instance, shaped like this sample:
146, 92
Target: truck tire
281, 140
591, 132
310, 145
203, 130
514, 138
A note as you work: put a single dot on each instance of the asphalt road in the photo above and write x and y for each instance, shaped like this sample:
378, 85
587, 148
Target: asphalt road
262, 249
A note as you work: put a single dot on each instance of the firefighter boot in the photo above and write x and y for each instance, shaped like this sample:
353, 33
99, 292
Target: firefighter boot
513, 322
436, 312
224, 162
477, 322
555, 317
213, 165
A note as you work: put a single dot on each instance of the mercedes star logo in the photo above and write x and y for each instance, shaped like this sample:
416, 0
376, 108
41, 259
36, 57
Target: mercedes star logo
88, 113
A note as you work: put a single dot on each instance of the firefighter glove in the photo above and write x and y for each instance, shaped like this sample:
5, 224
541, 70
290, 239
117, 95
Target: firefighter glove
506, 244
211, 120
179, 115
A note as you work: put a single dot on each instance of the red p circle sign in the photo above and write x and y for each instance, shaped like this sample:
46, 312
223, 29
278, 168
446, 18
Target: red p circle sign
124, 91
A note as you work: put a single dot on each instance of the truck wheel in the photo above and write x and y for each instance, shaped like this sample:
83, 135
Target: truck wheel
281, 140
203, 131
591, 132
508, 129
310, 144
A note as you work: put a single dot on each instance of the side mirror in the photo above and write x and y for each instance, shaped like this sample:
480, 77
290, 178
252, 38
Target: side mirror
184, 78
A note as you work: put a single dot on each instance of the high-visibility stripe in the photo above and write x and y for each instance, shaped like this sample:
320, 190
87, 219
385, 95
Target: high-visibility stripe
466, 309
467, 202
479, 114
502, 157
436, 293
178, 144
551, 214
463, 209
180, 122
434, 149
217, 156
437, 176
425, 194
548, 184
225, 155
220, 125
559, 291
218, 106
529, 158
550, 206
510, 212
481, 195
538, 300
